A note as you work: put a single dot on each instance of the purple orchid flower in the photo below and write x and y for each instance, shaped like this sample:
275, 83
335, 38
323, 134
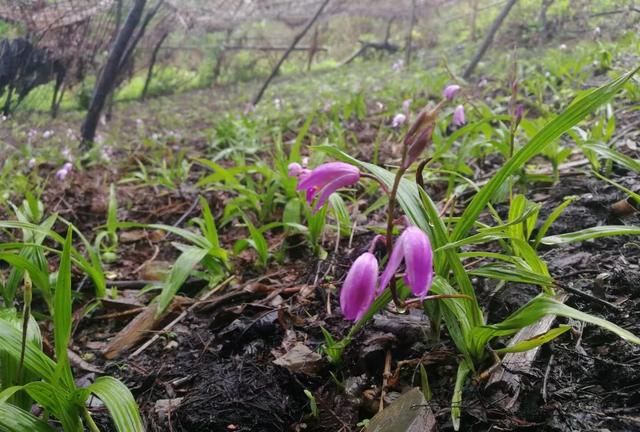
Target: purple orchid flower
325, 180
358, 290
458, 116
450, 91
414, 248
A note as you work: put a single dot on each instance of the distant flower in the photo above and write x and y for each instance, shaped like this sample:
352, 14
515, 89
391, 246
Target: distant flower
406, 106
277, 103
518, 113
562, 47
305, 162
325, 179
32, 163
359, 287
414, 248
66, 153
398, 120
294, 169
597, 33
458, 116
47, 134
450, 91
398, 65
63, 172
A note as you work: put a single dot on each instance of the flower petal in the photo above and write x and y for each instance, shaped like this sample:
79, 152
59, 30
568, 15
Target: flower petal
358, 289
333, 186
418, 257
325, 173
392, 265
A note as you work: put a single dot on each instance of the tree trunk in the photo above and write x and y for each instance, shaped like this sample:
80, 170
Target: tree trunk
104, 85
152, 62
407, 59
217, 69
118, 24
486, 43
295, 41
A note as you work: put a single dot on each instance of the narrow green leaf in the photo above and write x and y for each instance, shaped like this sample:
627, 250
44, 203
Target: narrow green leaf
63, 310
456, 400
179, 273
535, 341
591, 233
120, 403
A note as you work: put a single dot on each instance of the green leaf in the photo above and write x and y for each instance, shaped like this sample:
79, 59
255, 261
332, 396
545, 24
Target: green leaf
34, 359
578, 110
120, 403
535, 341
56, 401
62, 312
456, 400
13, 419
555, 214
179, 273
616, 156
535, 310
591, 233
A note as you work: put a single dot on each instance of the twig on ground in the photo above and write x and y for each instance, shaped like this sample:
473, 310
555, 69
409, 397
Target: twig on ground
181, 317
546, 379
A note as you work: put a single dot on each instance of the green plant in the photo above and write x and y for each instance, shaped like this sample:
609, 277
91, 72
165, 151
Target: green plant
50, 383
459, 309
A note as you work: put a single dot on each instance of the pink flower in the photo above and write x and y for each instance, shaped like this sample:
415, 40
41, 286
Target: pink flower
458, 116
358, 290
450, 91
414, 248
325, 180
398, 120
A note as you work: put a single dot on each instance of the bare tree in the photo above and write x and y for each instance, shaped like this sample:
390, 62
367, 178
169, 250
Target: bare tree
107, 78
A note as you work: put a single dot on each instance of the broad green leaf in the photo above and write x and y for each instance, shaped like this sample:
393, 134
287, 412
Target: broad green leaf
591, 233
58, 402
13, 419
535, 341
34, 359
120, 403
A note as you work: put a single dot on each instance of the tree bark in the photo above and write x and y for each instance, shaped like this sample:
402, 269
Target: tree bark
104, 85
486, 43
407, 59
295, 41
152, 62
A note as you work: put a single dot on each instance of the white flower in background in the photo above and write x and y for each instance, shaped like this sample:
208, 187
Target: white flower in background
63, 172
398, 120
398, 65
562, 47
4, 118
70, 133
597, 33
406, 106
277, 103
305, 162
47, 134
66, 153
32, 163
379, 106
